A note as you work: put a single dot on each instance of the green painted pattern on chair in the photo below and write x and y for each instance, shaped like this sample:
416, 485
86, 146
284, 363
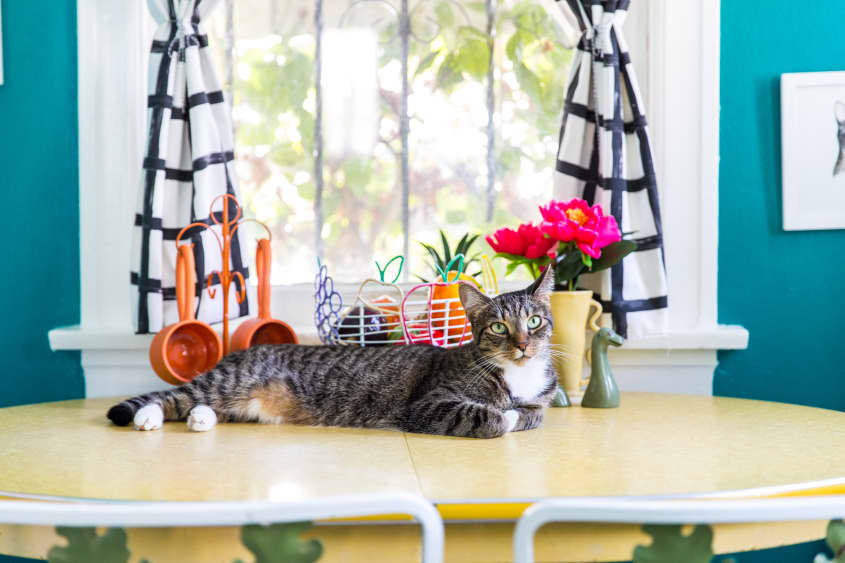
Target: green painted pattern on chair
276, 543
671, 545
280, 543
835, 540
83, 545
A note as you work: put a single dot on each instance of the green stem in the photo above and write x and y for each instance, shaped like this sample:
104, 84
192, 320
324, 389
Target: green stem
571, 284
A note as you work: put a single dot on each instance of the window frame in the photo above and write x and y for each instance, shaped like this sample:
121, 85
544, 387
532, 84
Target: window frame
681, 86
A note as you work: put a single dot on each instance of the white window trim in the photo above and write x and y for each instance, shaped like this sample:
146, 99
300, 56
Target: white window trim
681, 80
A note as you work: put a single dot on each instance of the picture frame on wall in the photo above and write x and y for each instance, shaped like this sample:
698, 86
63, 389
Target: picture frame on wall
1, 45
813, 150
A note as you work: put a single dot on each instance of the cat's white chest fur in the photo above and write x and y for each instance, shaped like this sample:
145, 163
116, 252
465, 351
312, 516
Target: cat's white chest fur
526, 382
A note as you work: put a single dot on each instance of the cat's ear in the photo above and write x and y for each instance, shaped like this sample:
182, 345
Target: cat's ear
839, 111
472, 299
542, 286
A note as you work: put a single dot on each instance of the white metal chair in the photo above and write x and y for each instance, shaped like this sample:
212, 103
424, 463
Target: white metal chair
165, 514
622, 511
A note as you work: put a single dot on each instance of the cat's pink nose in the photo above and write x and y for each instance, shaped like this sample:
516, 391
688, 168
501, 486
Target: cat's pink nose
522, 346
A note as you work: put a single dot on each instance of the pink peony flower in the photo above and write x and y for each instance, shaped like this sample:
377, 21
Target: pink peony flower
527, 240
575, 221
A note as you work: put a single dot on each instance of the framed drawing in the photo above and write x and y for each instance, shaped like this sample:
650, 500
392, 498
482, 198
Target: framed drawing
813, 150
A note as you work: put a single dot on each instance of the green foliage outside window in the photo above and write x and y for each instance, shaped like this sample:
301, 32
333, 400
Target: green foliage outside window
449, 53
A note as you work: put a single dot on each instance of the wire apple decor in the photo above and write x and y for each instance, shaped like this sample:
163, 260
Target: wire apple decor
382, 313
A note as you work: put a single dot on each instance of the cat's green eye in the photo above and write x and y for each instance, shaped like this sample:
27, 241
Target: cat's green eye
499, 328
534, 322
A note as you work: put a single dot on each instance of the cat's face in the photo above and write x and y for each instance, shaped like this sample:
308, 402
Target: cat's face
514, 327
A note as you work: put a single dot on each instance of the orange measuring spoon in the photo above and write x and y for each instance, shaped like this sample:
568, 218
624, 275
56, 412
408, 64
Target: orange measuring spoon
181, 351
263, 330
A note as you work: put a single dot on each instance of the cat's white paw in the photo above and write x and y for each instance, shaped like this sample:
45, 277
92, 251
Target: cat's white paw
511, 418
201, 419
149, 417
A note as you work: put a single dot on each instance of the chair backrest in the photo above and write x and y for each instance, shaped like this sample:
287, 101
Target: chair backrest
622, 511
175, 514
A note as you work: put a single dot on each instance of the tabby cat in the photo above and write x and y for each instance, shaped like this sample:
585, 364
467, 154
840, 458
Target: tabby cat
501, 382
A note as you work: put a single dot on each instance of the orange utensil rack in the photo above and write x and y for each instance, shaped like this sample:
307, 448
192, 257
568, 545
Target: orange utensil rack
226, 276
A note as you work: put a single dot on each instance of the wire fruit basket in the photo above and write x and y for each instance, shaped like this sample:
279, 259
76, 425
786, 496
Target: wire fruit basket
383, 314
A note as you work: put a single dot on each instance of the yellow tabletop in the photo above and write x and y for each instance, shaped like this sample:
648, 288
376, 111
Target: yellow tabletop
653, 445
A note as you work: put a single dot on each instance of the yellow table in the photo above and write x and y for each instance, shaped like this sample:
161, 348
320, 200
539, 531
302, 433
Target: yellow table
673, 446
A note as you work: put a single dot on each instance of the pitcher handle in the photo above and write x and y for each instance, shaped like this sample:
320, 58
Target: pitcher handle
592, 324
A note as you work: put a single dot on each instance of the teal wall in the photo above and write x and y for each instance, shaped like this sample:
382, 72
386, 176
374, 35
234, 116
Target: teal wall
40, 207
786, 288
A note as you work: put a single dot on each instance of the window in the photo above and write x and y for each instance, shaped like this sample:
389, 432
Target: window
675, 47
481, 133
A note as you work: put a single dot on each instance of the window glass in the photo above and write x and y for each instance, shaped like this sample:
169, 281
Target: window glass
369, 209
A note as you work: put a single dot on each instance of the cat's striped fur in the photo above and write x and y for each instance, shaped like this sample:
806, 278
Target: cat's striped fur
460, 392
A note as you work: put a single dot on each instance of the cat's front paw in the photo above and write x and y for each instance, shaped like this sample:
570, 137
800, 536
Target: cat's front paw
201, 419
149, 417
511, 418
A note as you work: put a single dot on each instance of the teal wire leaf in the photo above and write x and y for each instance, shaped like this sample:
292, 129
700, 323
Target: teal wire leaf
444, 272
670, 545
85, 546
383, 271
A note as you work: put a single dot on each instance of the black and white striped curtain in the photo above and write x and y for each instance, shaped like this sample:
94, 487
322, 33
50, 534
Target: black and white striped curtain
605, 157
188, 162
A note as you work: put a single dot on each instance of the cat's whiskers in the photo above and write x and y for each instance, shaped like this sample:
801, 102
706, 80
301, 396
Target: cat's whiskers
485, 363
559, 354
482, 367
559, 351
489, 358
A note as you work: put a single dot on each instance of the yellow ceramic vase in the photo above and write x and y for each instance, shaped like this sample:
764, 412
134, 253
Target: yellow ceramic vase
571, 313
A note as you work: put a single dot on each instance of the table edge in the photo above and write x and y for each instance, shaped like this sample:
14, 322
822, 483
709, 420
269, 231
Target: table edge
474, 510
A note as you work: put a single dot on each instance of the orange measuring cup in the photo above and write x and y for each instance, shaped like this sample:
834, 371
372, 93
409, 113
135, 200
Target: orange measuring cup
184, 350
263, 330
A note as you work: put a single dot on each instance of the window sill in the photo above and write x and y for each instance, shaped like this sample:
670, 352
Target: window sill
116, 362
720, 337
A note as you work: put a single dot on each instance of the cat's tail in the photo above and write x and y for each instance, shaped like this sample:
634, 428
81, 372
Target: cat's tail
175, 404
